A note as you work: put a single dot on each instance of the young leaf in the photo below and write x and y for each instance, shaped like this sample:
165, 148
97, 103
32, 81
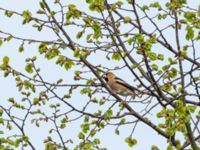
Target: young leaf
6, 60
116, 56
190, 33
130, 141
1, 42
29, 68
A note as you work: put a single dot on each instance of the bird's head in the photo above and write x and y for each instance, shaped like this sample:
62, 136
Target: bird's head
110, 75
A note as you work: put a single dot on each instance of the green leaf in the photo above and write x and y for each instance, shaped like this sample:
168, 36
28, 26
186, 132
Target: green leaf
81, 135
77, 53
198, 13
173, 72
39, 28
17, 142
154, 67
92, 7
167, 87
93, 132
156, 5
191, 108
52, 53
162, 16
108, 114
1, 132
1, 112
73, 12
1, 121
165, 67
68, 64
27, 16
130, 41
50, 146
63, 125
11, 100
21, 48
84, 53
52, 13
89, 1
86, 119
9, 38
64, 120
144, 7
152, 56
190, 16
25, 138
130, 141
190, 33
154, 147
42, 48
9, 126
171, 61
85, 127
29, 68
96, 141
86, 90
160, 114
79, 35
117, 132
97, 30
8, 13
40, 11
140, 38
116, 56
127, 19
87, 21
1, 42
123, 121
34, 58
160, 56
6, 60
119, 3
68, 15
169, 147
35, 101
42, 5
56, 1
71, 6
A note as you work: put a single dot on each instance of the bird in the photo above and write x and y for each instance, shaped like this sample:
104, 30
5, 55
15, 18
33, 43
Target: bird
119, 86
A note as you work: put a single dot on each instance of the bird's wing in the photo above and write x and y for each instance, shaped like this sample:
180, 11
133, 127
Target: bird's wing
122, 82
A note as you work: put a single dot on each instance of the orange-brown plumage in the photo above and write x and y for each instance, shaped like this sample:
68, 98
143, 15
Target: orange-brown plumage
119, 86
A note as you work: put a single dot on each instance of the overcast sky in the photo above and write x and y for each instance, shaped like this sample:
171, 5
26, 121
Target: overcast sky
146, 137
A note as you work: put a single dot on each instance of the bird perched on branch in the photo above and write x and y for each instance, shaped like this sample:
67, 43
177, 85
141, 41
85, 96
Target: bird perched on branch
119, 86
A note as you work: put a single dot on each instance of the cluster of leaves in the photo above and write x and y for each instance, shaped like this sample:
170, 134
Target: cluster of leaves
105, 34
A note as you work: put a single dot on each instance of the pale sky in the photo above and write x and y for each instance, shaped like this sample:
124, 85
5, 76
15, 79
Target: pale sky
145, 136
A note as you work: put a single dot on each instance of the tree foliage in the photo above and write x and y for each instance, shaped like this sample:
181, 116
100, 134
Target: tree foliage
155, 44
